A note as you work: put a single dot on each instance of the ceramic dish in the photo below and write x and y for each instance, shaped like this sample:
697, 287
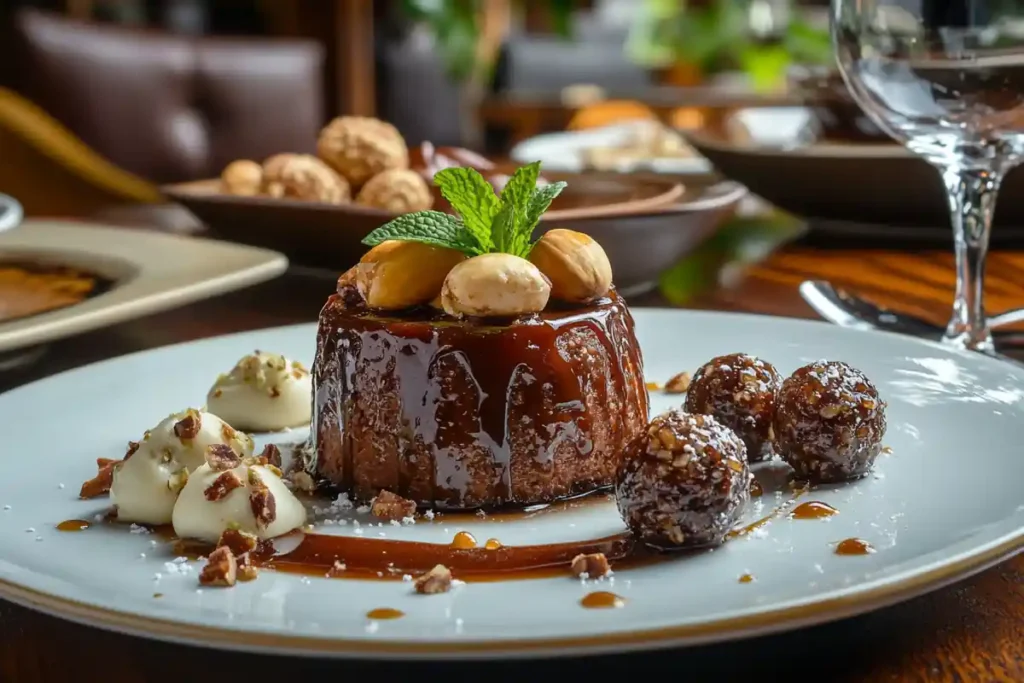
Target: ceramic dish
932, 511
143, 272
776, 153
10, 213
569, 151
641, 240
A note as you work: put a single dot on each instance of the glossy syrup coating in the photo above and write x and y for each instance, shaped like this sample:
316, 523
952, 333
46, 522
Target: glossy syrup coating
829, 422
683, 482
739, 391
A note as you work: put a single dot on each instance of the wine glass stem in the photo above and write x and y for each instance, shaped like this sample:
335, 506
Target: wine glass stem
972, 200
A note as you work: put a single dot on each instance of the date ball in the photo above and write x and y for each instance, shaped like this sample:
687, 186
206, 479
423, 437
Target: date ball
829, 422
683, 482
739, 391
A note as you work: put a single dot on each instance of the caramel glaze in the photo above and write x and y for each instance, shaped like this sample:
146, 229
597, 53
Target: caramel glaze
854, 546
463, 414
463, 541
74, 525
382, 613
813, 509
602, 600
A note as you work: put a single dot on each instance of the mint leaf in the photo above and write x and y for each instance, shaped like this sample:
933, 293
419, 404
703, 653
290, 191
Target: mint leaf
503, 230
538, 204
473, 197
429, 227
520, 186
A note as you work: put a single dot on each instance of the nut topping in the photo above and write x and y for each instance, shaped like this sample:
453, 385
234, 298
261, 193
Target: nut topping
263, 506
396, 274
390, 506
101, 483
271, 455
222, 486
240, 542
592, 566
221, 457
575, 263
246, 570
132, 447
678, 384
495, 285
221, 569
188, 427
437, 580
303, 481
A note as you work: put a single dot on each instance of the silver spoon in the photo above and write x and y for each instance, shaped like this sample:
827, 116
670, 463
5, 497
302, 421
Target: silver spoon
848, 310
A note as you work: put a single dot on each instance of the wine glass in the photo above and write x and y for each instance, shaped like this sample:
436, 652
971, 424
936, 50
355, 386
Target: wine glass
946, 79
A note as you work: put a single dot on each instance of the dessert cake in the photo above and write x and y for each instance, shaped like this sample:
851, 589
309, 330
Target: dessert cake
461, 365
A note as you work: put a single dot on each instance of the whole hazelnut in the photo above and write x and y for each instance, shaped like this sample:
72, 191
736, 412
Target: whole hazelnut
398, 274
302, 176
495, 285
242, 177
575, 263
360, 147
398, 190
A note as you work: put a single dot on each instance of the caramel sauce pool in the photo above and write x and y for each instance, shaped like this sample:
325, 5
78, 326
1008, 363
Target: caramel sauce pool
854, 546
813, 509
463, 541
74, 525
382, 613
602, 600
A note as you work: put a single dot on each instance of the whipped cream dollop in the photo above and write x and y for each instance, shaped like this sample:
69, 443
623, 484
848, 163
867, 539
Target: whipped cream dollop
147, 482
263, 392
244, 494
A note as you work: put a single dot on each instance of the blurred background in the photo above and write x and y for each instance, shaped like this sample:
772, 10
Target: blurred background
102, 100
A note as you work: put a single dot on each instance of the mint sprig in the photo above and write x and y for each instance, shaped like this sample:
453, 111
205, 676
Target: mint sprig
486, 222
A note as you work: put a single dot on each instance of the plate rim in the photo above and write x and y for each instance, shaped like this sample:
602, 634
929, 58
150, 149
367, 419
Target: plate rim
838, 604
152, 286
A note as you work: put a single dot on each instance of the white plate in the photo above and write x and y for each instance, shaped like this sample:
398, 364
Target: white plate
563, 152
151, 272
945, 503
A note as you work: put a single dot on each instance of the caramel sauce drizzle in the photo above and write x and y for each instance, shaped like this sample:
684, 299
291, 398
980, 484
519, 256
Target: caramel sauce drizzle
854, 546
746, 578
382, 613
463, 541
74, 525
602, 600
813, 509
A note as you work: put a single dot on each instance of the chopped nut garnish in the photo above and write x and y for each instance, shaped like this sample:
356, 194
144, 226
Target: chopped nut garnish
303, 481
221, 569
177, 481
188, 427
132, 447
240, 542
101, 483
222, 486
271, 455
221, 457
437, 580
263, 506
274, 392
390, 506
227, 432
337, 569
592, 566
679, 384
247, 571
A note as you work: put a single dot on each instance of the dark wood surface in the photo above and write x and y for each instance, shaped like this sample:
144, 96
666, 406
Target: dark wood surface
971, 631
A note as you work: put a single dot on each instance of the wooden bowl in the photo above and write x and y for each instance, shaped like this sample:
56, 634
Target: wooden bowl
646, 224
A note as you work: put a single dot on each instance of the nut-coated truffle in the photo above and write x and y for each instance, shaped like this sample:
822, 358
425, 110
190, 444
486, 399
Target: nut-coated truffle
683, 482
739, 391
360, 147
398, 190
301, 176
829, 422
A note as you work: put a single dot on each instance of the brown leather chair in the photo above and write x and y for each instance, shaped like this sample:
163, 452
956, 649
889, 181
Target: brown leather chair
158, 108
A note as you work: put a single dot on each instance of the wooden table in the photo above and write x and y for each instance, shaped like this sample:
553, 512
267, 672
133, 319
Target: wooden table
972, 631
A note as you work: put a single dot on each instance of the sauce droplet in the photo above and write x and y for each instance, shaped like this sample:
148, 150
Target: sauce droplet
747, 578
158, 595
602, 600
492, 544
385, 613
73, 525
854, 546
756, 490
463, 541
887, 450
813, 509
653, 386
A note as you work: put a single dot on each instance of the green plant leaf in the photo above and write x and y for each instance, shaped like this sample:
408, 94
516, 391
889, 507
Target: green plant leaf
517, 192
538, 204
473, 197
429, 227
503, 230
